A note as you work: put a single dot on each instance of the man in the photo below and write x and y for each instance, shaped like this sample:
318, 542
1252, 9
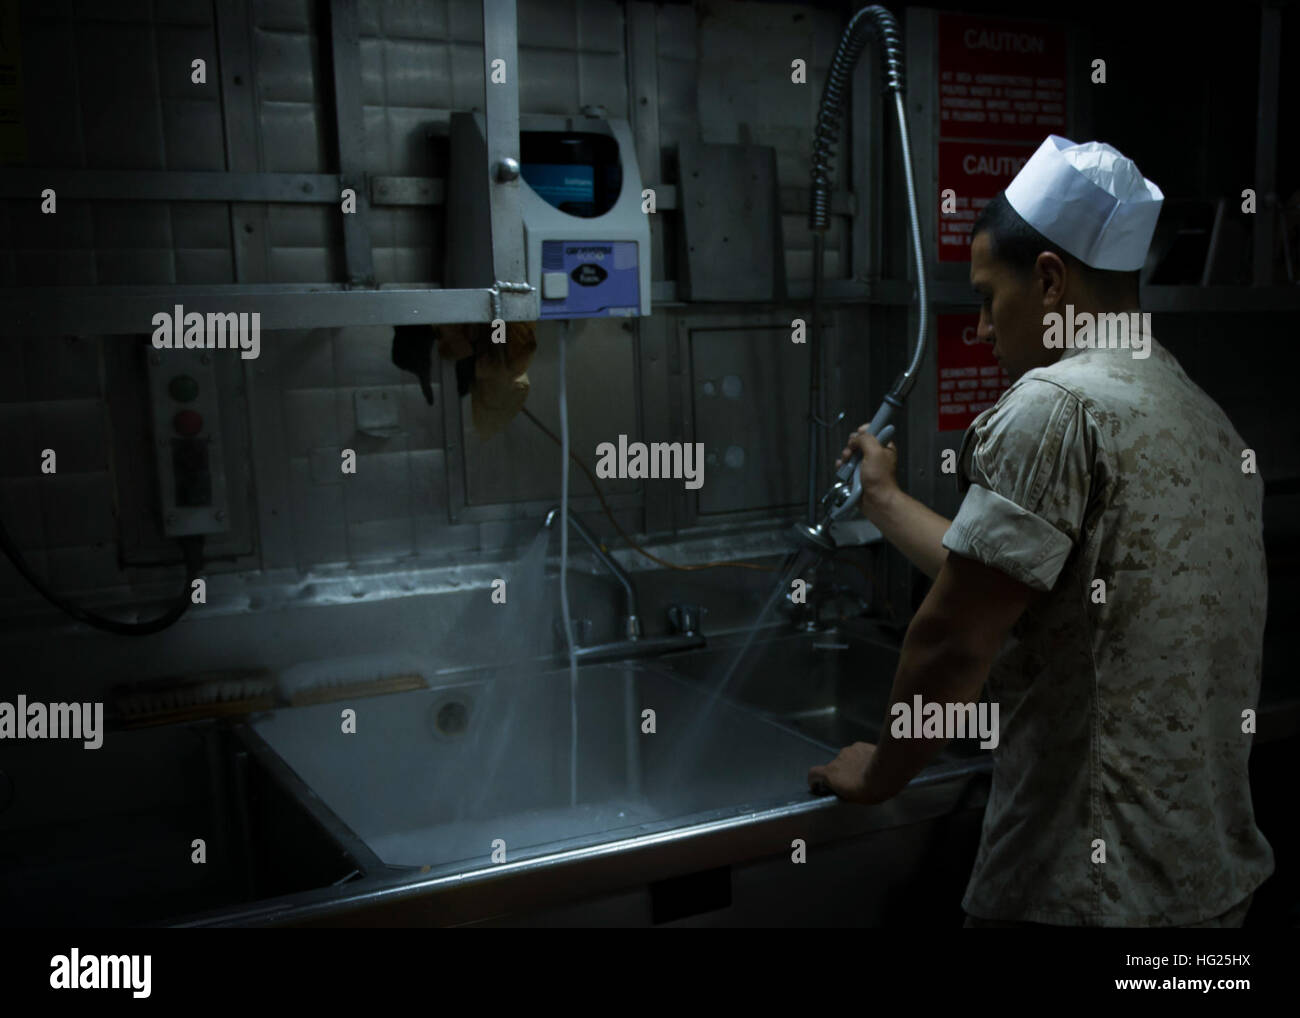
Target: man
1108, 552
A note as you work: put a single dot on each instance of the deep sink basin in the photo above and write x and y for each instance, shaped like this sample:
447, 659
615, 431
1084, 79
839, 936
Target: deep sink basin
443, 778
833, 686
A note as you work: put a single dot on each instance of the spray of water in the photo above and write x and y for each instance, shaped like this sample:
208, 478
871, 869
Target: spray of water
516, 645
564, 568
510, 718
691, 743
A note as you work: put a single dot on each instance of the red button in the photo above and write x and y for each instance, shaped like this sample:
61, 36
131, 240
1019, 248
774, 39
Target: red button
188, 423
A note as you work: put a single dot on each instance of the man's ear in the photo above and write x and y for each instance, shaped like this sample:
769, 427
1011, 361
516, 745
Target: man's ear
1050, 272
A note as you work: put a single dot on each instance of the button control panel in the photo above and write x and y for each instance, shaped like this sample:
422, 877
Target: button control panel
187, 442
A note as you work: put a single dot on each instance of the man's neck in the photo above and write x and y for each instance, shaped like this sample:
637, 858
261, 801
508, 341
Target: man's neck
1096, 306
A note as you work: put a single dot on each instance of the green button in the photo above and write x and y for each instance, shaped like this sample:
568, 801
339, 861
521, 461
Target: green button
183, 389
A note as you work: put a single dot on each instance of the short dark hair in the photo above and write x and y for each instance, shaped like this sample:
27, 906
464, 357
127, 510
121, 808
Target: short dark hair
1018, 245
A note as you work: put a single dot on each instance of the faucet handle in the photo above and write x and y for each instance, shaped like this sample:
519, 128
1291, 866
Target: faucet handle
685, 618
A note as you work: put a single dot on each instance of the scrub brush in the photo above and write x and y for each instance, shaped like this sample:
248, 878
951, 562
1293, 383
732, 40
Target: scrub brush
191, 698
348, 678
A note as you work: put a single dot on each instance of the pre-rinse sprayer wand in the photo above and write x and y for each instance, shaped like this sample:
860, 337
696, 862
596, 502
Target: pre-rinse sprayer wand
846, 490
838, 501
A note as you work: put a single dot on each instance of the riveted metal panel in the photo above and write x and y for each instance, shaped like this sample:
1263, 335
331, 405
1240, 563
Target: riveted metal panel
753, 455
521, 464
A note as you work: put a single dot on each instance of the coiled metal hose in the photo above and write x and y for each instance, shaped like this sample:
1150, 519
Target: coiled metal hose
874, 20
868, 21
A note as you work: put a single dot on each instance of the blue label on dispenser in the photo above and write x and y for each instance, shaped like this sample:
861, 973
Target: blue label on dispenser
559, 184
603, 278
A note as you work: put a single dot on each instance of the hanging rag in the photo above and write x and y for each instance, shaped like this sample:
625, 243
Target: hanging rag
494, 375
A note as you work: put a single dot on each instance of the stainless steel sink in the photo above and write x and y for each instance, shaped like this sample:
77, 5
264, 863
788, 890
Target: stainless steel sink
831, 686
443, 778
453, 804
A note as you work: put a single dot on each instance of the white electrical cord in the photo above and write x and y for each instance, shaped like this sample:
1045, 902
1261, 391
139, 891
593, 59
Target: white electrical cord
564, 571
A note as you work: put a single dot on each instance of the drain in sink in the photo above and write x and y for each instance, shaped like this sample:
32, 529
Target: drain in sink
451, 716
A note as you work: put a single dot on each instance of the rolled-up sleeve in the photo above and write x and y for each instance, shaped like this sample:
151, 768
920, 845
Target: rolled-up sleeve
1025, 470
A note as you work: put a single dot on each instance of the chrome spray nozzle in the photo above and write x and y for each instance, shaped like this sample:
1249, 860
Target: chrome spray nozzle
841, 497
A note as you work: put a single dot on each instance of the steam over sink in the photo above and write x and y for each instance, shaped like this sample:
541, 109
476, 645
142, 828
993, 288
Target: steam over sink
444, 777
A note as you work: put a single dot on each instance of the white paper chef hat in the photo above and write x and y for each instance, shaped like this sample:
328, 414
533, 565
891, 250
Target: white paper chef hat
1090, 200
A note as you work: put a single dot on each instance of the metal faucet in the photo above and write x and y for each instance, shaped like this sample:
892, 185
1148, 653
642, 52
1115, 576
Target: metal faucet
632, 645
631, 621
808, 617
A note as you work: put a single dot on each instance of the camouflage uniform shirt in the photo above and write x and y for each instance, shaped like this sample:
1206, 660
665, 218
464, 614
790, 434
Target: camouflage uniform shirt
1120, 721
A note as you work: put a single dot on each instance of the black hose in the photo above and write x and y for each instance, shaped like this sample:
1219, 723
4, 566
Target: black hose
191, 547
870, 20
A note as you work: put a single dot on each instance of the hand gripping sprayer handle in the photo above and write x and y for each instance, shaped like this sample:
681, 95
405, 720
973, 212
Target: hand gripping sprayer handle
849, 487
845, 492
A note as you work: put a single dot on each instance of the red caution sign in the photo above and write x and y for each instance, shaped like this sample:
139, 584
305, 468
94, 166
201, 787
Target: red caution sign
1002, 90
975, 171
1000, 79
970, 378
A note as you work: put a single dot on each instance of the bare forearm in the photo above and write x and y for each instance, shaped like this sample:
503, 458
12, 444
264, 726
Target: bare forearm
913, 528
950, 646
939, 671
